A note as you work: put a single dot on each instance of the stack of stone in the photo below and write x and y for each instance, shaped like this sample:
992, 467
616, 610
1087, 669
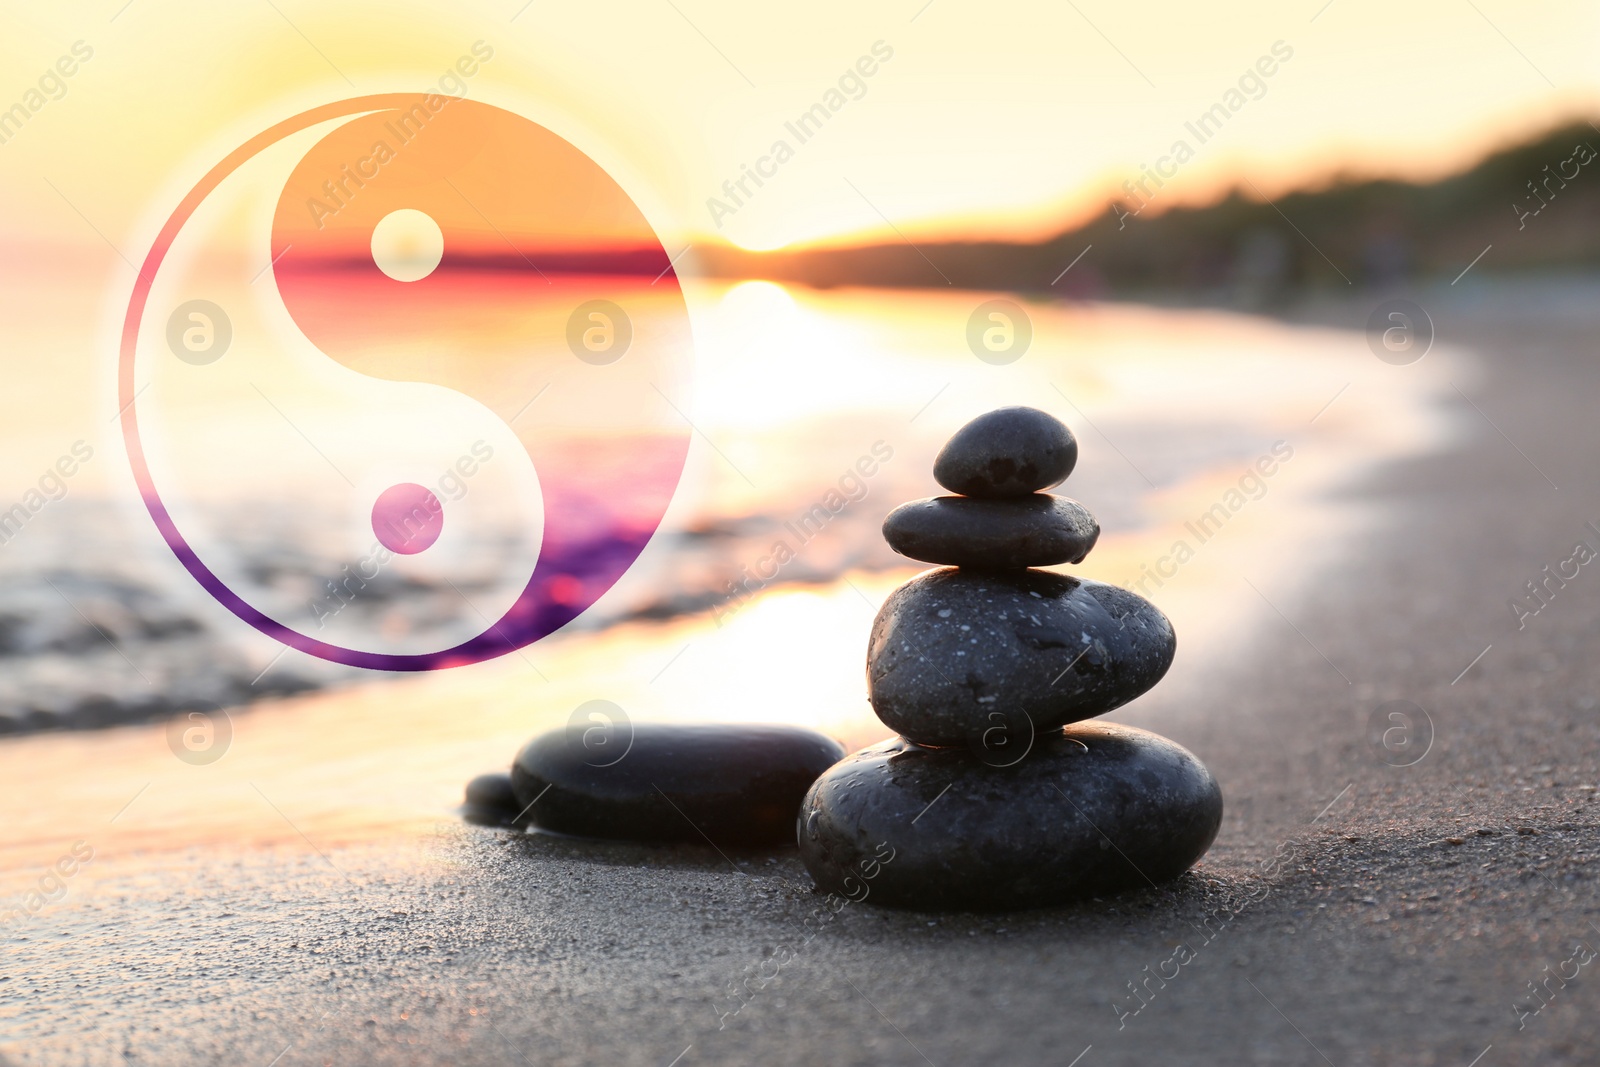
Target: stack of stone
988, 799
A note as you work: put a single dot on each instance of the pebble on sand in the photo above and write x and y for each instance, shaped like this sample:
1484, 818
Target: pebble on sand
490, 800
1094, 809
732, 784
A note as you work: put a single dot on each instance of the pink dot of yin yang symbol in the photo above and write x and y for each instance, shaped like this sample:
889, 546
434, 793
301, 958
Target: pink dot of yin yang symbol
407, 518
526, 235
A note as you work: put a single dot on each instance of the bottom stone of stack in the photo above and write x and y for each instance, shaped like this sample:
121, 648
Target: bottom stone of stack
1093, 809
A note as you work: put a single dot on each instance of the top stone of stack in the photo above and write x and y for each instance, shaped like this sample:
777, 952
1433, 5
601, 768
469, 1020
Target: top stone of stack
1008, 452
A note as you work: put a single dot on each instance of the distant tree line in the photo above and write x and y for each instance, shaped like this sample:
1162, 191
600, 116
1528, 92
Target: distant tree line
1537, 204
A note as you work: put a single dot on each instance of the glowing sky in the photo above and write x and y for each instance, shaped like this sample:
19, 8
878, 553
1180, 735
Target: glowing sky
1007, 117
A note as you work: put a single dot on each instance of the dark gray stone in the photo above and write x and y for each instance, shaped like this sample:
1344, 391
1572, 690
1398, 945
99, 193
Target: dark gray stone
1095, 809
1007, 452
1038, 530
955, 655
737, 785
490, 800
492, 791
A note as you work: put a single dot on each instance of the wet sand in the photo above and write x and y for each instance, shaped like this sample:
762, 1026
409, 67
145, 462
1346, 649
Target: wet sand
1408, 910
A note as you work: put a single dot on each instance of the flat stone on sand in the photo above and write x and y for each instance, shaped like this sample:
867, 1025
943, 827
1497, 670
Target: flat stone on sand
734, 784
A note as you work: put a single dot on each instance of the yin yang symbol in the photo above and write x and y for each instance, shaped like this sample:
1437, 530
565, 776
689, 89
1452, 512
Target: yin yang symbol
416, 404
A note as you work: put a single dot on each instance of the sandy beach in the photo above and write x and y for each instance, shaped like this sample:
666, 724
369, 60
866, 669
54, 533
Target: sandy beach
1352, 911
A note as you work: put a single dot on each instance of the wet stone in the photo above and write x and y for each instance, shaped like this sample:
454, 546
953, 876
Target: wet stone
1094, 809
1038, 530
1006, 453
490, 800
957, 655
737, 785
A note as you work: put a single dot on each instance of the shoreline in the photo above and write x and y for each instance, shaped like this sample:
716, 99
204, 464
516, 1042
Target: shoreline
1383, 940
1131, 379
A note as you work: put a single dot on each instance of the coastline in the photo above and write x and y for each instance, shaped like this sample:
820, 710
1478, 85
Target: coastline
1380, 939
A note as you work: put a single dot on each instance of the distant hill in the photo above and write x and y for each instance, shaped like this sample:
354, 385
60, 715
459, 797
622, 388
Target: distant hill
1537, 204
